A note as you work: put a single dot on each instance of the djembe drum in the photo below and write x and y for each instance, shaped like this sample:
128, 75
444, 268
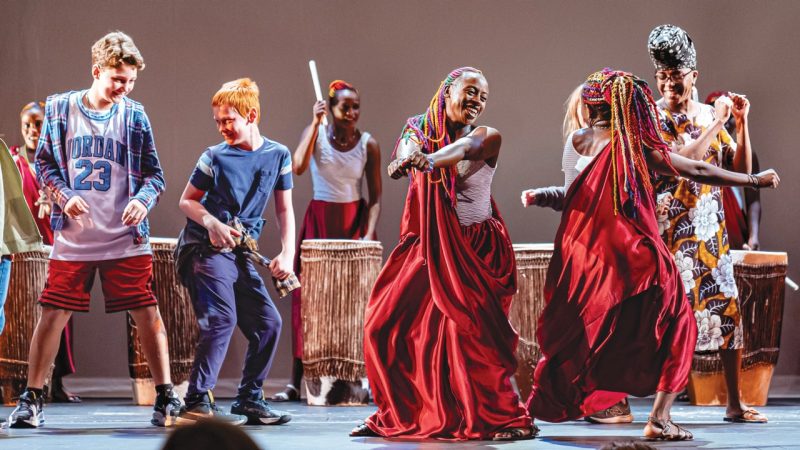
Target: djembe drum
527, 304
28, 276
179, 321
760, 278
337, 277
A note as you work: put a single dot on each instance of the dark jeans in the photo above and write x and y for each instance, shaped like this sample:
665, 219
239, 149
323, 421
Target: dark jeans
227, 292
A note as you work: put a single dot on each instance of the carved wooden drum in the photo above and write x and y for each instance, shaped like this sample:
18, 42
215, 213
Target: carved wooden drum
28, 276
526, 306
337, 277
179, 321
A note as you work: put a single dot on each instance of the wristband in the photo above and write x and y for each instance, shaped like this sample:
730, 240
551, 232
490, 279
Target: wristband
430, 164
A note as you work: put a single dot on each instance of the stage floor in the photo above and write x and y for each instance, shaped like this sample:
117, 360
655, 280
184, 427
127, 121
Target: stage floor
115, 425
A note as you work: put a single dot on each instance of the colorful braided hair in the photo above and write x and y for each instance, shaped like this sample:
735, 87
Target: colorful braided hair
429, 129
634, 127
336, 86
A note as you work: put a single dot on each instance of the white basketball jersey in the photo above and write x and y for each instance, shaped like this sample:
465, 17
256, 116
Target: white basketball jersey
97, 158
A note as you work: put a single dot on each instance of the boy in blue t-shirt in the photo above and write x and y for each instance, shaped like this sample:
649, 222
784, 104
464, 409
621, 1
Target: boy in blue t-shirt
234, 179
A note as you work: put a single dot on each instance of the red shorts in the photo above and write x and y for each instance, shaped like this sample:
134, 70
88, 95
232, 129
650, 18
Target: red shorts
126, 283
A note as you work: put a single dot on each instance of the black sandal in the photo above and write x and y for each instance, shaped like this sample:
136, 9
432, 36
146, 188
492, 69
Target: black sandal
363, 430
290, 394
516, 433
666, 431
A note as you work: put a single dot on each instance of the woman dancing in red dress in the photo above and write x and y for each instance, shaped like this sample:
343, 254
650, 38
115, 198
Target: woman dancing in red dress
438, 345
613, 292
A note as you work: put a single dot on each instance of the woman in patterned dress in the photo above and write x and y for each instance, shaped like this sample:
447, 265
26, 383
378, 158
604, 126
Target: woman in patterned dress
690, 214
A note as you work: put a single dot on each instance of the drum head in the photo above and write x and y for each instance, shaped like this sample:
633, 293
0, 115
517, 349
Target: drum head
539, 247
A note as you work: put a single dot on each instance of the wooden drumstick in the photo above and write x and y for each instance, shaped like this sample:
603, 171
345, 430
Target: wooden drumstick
792, 284
312, 66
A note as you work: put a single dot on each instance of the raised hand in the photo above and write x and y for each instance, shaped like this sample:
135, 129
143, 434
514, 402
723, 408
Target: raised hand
741, 107
319, 112
722, 108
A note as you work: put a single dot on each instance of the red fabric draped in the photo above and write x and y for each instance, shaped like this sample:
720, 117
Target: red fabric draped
735, 221
438, 345
324, 220
30, 189
616, 321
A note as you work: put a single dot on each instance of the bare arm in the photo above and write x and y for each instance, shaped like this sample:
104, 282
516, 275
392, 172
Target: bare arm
481, 145
752, 200
305, 149
743, 158
281, 265
220, 234
372, 171
705, 173
697, 149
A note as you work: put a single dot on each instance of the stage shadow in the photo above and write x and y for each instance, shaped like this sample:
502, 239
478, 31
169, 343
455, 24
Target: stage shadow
430, 444
599, 441
126, 433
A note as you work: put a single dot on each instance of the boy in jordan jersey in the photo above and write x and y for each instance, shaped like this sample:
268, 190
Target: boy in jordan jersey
96, 154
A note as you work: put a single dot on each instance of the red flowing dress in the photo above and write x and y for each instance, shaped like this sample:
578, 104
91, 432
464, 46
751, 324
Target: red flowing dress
616, 321
438, 345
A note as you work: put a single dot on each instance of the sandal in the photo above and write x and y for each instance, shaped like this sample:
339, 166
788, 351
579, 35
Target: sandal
656, 430
747, 416
516, 433
363, 430
290, 394
61, 395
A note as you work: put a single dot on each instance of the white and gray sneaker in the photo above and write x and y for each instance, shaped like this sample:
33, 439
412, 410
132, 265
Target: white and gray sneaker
259, 412
28, 413
166, 409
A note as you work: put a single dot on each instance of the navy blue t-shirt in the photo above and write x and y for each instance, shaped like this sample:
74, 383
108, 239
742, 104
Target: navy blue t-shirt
239, 183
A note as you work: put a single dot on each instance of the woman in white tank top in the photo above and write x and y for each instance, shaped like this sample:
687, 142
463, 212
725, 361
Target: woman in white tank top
572, 162
340, 156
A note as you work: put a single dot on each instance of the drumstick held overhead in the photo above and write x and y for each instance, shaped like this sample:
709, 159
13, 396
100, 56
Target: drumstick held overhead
312, 66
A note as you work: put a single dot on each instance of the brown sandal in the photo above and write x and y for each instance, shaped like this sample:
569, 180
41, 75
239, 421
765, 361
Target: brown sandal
747, 416
665, 431
516, 433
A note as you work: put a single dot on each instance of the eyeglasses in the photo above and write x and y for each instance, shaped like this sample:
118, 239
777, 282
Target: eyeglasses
676, 77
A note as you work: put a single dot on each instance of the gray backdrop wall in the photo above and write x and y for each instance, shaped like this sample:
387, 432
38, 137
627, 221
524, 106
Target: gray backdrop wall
396, 52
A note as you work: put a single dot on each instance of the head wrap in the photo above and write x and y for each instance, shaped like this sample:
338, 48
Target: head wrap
671, 48
339, 85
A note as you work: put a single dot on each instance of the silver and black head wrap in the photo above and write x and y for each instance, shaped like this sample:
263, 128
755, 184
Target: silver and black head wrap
671, 48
